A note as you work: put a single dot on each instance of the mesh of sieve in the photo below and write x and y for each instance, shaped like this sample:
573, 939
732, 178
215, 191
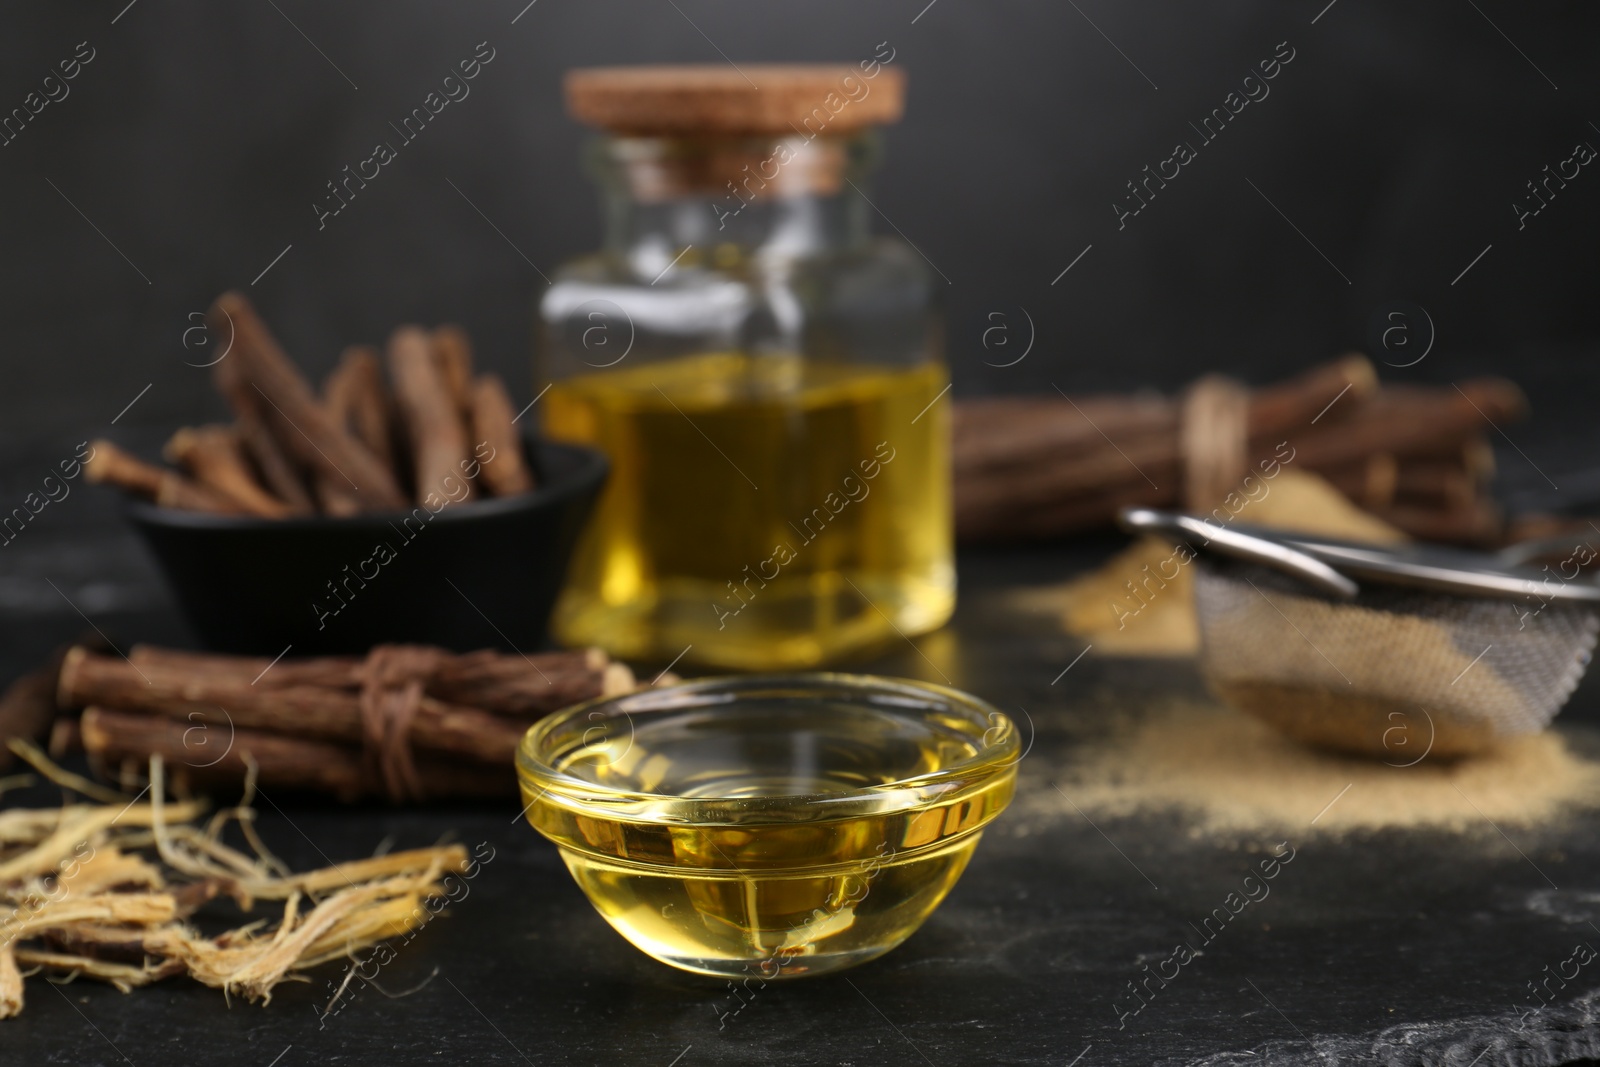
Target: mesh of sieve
1394, 672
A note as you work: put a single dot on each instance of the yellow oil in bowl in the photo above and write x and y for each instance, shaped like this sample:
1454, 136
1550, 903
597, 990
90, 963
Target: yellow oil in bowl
769, 826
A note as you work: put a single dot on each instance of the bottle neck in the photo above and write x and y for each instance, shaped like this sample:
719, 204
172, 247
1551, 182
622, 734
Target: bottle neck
721, 201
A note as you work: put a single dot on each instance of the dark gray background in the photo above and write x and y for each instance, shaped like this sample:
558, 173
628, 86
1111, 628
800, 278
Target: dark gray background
200, 135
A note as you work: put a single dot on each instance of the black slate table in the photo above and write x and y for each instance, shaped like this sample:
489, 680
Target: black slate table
1392, 947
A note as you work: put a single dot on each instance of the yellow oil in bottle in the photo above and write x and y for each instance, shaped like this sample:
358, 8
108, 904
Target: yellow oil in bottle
763, 511
777, 887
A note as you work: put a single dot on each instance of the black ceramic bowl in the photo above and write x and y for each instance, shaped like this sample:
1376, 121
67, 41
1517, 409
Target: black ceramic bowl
475, 575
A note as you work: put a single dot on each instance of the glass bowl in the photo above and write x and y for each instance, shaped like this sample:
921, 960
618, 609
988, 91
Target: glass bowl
769, 826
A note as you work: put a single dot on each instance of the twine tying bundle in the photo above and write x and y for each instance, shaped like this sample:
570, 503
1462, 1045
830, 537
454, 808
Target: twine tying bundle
392, 678
1214, 440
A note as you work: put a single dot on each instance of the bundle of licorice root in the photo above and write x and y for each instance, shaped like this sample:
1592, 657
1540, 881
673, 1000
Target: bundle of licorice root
432, 432
403, 723
1416, 456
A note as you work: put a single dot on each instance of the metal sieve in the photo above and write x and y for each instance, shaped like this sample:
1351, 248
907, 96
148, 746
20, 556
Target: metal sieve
1394, 651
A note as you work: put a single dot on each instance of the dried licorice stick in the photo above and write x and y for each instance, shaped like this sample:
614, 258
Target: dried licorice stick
452, 350
432, 420
112, 466
277, 470
214, 458
359, 400
298, 420
280, 761
505, 473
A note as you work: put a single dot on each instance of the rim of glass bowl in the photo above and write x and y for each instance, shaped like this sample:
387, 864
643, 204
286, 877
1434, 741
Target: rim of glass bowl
997, 757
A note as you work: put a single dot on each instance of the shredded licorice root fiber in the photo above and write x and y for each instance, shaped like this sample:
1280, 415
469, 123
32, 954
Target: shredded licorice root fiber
106, 891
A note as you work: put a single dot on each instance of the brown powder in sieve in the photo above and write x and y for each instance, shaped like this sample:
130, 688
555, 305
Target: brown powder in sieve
1232, 774
1356, 678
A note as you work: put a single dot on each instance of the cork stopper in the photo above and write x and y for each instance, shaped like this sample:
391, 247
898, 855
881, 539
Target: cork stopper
755, 99
749, 170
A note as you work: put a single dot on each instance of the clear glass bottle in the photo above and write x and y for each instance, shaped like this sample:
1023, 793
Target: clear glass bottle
766, 377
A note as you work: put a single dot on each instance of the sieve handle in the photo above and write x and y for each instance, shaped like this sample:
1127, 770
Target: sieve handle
1251, 547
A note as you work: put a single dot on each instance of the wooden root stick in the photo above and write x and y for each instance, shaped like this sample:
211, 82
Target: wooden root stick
93, 925
28, 705
277, 471
297, 419
504, 471
215, 459
358, 400
431, 418
109, 465
279, 761
452, 353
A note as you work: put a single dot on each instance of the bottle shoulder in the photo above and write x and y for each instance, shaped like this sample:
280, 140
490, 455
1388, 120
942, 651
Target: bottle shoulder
719, 273
871, 303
